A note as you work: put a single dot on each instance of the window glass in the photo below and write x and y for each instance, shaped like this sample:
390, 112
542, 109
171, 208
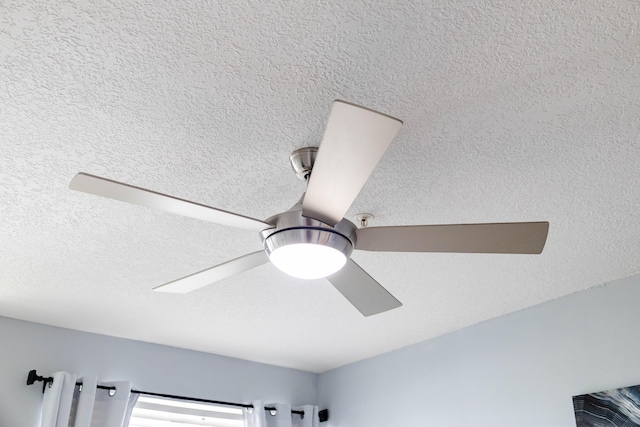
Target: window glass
156, 412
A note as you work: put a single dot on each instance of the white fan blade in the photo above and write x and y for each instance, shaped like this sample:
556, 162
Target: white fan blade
128, 193
354, 141
501, 238
214, 274
367, 295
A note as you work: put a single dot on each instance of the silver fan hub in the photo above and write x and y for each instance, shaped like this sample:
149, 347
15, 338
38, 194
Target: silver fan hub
307, 248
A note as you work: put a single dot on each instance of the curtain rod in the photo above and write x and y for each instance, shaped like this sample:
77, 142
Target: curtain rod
33, 377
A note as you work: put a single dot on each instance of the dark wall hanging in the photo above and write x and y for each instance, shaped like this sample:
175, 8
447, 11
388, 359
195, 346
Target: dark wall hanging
619, 407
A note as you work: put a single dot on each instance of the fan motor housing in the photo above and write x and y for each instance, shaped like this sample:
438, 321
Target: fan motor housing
292, 227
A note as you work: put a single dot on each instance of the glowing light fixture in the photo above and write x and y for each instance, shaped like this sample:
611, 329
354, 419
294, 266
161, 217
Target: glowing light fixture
308, 260
308, 253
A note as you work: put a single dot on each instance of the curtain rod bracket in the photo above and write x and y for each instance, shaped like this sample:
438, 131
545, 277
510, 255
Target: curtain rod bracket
33, 377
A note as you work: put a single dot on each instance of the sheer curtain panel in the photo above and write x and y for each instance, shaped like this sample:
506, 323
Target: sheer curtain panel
282, 417
68, 405
255, 417
310, 417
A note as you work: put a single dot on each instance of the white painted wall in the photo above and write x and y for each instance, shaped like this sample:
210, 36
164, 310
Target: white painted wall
518, 370
150, 367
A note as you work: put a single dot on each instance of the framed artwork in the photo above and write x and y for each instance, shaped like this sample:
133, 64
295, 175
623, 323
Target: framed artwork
612, 408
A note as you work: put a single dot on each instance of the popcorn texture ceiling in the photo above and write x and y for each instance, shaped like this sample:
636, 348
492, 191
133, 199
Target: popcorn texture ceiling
513, 111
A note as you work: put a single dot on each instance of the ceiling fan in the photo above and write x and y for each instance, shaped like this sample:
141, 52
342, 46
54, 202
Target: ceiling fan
313, 239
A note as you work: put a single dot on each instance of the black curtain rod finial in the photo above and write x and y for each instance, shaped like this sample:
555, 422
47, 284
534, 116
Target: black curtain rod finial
33, 377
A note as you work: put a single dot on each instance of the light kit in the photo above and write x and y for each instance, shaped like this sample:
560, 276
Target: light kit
306, 248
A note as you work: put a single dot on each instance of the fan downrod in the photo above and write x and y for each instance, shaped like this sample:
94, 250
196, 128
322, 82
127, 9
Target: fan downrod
302, 161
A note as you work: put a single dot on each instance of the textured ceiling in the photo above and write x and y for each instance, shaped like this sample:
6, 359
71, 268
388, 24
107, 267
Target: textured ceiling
513, 111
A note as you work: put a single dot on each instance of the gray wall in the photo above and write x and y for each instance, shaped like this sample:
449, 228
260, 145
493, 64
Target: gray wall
25, 346
517, 370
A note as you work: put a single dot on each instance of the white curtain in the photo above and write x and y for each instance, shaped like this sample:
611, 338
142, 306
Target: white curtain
64, 405
282, 416
255, 417
258, 417
310, 417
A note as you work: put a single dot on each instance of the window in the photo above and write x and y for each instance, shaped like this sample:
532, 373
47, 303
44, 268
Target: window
160, 412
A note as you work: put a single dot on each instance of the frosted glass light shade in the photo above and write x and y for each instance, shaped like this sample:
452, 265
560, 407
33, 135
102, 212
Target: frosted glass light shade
308, 252
308, 260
